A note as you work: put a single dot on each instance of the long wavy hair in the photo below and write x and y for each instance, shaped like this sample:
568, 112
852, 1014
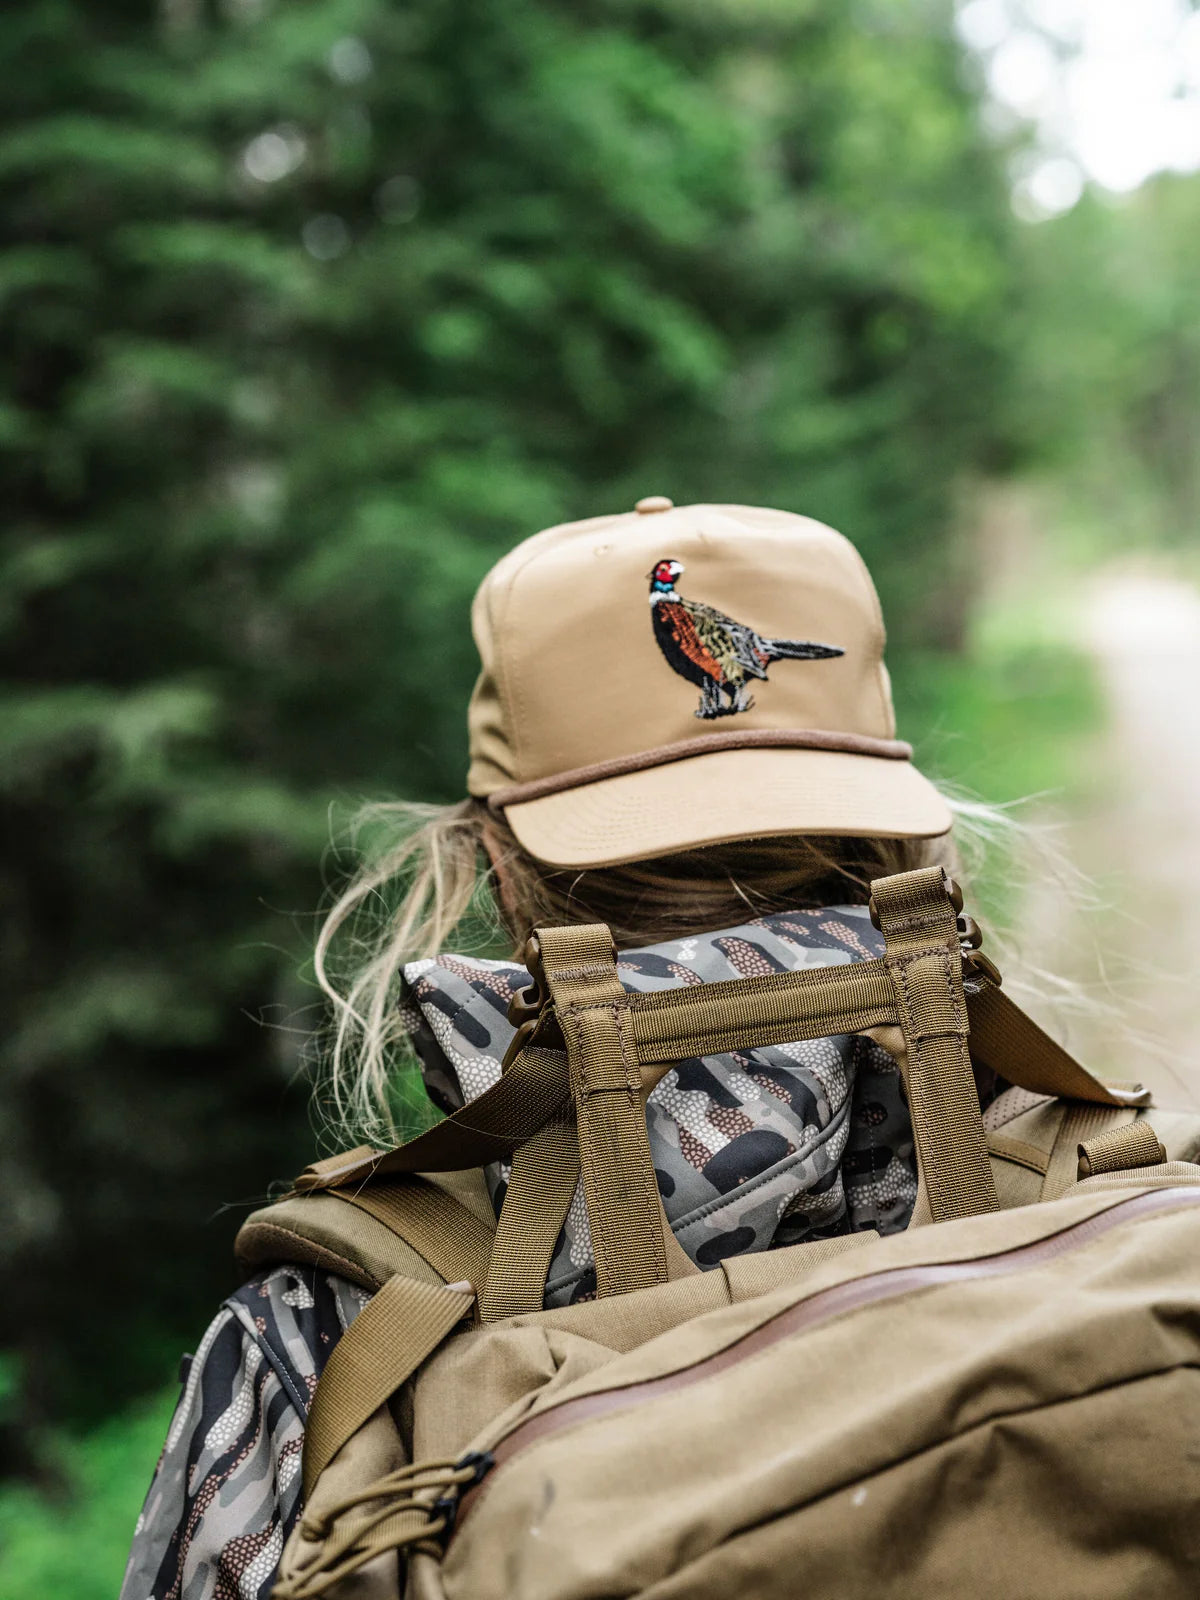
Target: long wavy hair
434, 876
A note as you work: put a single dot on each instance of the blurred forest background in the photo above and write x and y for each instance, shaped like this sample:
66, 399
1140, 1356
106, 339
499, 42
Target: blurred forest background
309, 309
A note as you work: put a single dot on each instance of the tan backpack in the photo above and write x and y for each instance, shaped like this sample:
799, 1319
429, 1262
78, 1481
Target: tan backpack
1003, 1404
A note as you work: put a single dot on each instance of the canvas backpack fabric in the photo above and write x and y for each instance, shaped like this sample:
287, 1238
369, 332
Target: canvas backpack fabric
999, 1399
895, 1424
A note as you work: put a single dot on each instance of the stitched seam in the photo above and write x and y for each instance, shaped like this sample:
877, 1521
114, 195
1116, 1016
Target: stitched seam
273, 1359
901, 965
633, 1071
651, 1199
617, 1011
793, 1158
912, 922
587, 1169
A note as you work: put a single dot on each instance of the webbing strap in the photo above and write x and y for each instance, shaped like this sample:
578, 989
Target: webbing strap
1081, 1123
384, 1345
1121, 1150
661, 1028
673, 1025
454, 1241
540, 1189
624, 1210
485, 1130
924, 960
1010, 1042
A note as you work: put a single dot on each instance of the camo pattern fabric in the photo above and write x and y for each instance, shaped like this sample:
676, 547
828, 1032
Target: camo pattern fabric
227, 1487
756, 1148
762, 1147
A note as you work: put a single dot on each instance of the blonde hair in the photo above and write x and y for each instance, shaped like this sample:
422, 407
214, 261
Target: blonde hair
433, 875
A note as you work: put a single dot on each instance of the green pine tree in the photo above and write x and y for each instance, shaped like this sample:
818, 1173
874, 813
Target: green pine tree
312, 309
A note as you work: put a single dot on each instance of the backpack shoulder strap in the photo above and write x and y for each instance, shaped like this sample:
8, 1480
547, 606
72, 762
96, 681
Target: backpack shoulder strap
434, 1229
420, 1244
1007, 1039
398, 1329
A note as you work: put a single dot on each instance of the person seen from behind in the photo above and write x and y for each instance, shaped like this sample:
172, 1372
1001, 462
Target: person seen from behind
683, 728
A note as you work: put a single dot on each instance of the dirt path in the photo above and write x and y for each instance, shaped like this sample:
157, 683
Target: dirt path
1137, 950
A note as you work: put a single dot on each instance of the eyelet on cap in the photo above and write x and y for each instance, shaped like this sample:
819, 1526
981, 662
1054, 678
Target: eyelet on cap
654, 502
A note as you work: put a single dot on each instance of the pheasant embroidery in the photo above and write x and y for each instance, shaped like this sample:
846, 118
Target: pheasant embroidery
713, 651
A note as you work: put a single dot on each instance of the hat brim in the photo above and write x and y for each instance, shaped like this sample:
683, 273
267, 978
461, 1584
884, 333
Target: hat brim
728, 795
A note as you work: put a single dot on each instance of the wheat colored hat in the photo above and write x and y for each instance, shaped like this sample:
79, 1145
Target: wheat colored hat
679, 676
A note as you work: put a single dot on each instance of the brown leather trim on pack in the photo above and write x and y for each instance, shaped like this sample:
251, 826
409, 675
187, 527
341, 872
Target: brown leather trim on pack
820, 1308
856, 744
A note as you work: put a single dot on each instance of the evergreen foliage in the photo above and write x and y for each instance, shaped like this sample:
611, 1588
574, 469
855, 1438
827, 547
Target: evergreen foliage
312, 309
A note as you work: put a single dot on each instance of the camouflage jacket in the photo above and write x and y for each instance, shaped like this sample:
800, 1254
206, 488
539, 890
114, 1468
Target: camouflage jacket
753, 1149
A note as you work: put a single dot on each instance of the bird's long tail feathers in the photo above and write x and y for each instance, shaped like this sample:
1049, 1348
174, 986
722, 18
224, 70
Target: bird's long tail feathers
801, 650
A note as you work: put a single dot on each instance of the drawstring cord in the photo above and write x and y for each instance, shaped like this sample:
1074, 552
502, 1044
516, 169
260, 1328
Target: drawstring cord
417, 1475
414, 1517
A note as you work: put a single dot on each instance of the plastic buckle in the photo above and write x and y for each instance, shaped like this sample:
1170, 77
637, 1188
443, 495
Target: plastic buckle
953, 892
529, 1007
518, 1042
977, 965
480, 1463
525, 1005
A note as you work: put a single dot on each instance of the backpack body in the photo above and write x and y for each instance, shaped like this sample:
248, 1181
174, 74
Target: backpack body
1000, 1399
911, 1420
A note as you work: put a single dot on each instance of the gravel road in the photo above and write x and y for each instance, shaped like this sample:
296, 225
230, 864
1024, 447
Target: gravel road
1138, 952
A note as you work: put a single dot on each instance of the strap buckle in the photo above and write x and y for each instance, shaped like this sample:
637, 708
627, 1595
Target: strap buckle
980, 968
531, 1011
976, 966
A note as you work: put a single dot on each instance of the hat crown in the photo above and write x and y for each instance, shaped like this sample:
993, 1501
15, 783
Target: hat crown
577, 669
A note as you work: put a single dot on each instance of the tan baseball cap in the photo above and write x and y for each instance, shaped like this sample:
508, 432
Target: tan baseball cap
679, 676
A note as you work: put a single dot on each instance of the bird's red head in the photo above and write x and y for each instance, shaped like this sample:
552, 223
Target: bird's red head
664, 574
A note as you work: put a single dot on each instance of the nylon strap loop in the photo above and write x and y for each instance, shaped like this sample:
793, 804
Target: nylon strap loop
624, 1209
923, 957
1080, 1124
1121, 1150
541, 1187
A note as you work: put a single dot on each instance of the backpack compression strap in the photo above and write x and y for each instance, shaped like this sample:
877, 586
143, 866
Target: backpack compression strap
918, 919
670, 1025
578, 968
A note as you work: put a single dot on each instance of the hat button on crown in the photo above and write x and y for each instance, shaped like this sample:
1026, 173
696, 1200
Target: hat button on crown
654, 502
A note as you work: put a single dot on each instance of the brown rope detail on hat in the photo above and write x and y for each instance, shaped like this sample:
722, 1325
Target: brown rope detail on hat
857, 744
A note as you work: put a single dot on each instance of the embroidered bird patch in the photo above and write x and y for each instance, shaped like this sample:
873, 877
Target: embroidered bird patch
713, 651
